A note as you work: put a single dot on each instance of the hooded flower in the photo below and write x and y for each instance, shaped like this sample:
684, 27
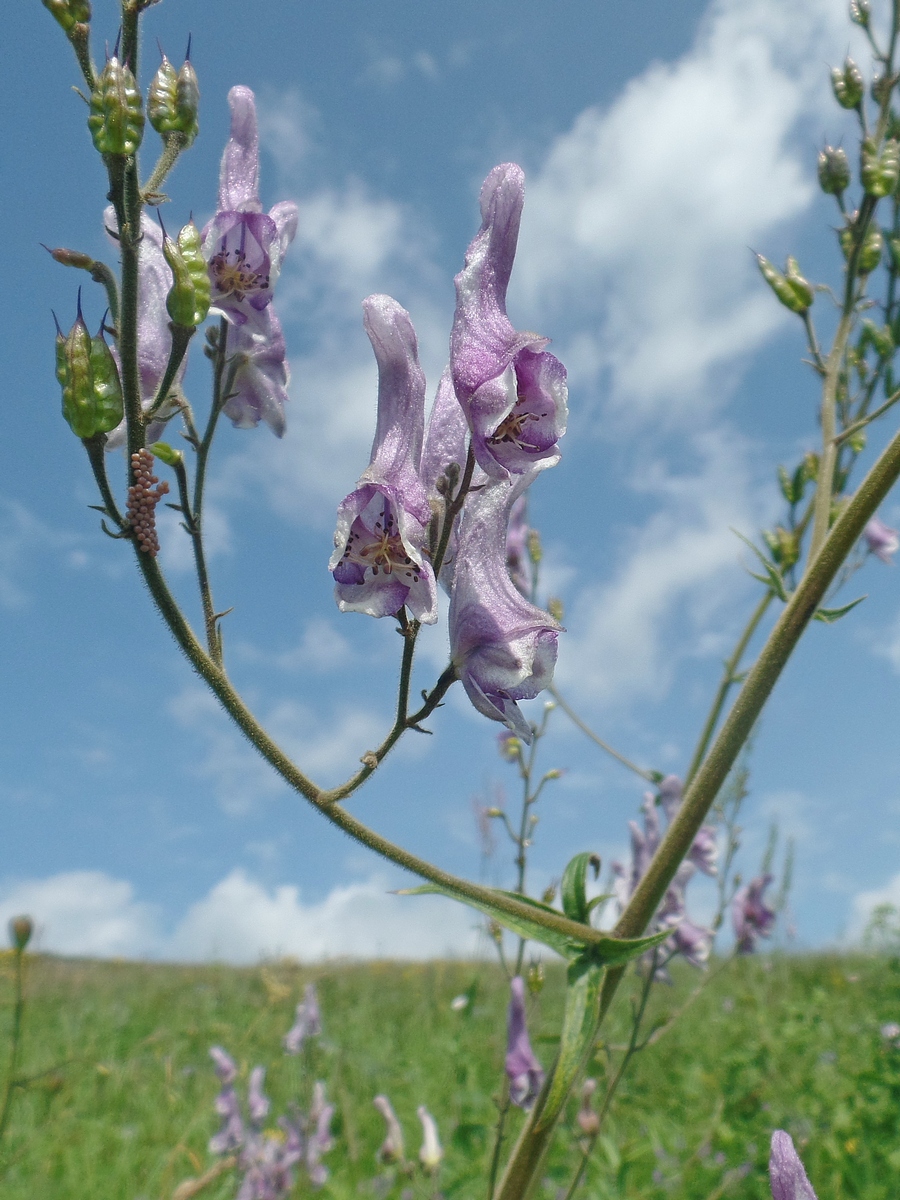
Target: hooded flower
318, 1138
244, 246
786, 1174
261, 380
751, 916
391, 1149
231, 1135
307, 1022
512, 391
503, 647
881, 540
154, 334
379, 562
518, 560
525, 1073
430, 1153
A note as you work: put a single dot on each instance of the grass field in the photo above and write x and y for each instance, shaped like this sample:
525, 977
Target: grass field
120, 1103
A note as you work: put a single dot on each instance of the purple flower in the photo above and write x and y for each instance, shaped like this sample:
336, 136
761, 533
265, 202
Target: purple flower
262, 376
232, 1133
243, 246
670, 793
154, 334
751, 916
379, 562
525, 1073
258, 1102
503, 647
891, 1032
391, 1149
318, 1139
881, 540
786, 1174
512, 391
430, 1154
307, 1022
518, 561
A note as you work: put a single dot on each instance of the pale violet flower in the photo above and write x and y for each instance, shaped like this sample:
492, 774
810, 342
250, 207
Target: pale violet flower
392, 1148
787, 1177
525, 1073
307, 1021
379, 561
512, 391
751, 916
430, 1153
881, 540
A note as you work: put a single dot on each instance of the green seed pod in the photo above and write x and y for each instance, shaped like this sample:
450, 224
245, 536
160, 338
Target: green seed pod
834, 170
187, 102
71, 258
870, 254
68, 13
793, 291
847, 84
880, 172
117, 116
75, 375
161, 98
859, 12
188, 299
109, 408
879, 337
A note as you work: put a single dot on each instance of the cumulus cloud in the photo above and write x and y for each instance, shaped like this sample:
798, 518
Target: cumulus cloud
322, 647
239, 921
634, 244
865, 903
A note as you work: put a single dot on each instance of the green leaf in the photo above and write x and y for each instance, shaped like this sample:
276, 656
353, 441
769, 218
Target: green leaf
829, 615
584, 980
602, 949
772, 577
574, 884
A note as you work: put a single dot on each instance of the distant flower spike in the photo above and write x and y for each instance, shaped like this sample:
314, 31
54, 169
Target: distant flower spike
525, 1073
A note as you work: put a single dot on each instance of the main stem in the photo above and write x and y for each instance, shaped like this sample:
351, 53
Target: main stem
13, 1064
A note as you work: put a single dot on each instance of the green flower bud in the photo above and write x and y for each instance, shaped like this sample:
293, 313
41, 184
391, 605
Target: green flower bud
71, 258
857, 441
536, 978
882, 86
879, 337
859, 12
188, 299
873, 245
109, 408
117, 116
68, 13
847, 84
834, 170
811, 465
791, 288
20, 931
555, 608
880, 172
533, 541
783, 545
166, 453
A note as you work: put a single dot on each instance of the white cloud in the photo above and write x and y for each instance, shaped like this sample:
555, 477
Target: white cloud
321, 648
326, 746
634, 241
84, 912
865, 903
686, 557
21, 535
240, 921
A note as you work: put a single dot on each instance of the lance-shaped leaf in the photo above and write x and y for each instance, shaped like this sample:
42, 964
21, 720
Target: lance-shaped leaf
828, 616
584, 980
567, 939
573, 888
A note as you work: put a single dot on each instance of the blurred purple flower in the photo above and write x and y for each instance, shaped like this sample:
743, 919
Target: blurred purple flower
392, 1148
704, 852
751, 916
154, 334
243, 246
307, 1022
318, 1137
518, 562
512, 391
881, 540
258, 1102
262, 376
232, 1133
786, 1174
525, 1073
891, 1032
503, 647
379, 561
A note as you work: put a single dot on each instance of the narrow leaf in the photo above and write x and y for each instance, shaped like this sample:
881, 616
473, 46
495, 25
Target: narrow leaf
574, 885
829, 615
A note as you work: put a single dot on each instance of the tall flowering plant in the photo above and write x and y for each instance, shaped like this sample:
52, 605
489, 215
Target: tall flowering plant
446, 505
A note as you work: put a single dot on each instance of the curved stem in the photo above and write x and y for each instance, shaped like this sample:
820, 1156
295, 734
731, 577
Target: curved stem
95, 447
650, 776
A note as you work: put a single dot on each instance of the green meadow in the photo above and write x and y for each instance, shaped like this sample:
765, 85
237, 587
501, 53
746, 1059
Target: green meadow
120, 1087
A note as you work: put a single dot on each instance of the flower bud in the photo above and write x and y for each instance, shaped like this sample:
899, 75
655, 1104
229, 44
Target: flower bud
882, 86
535, 978
166, 453
20, 931
117, 116
68, 13
879, 337
783, 545
548, 895
588, 1120
859, 12
555, 608
188, 300
791, 288
880, 172
834, 170
811, 465
533, 542
847, 84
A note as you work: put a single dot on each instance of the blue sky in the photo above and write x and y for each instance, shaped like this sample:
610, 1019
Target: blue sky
659, 143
